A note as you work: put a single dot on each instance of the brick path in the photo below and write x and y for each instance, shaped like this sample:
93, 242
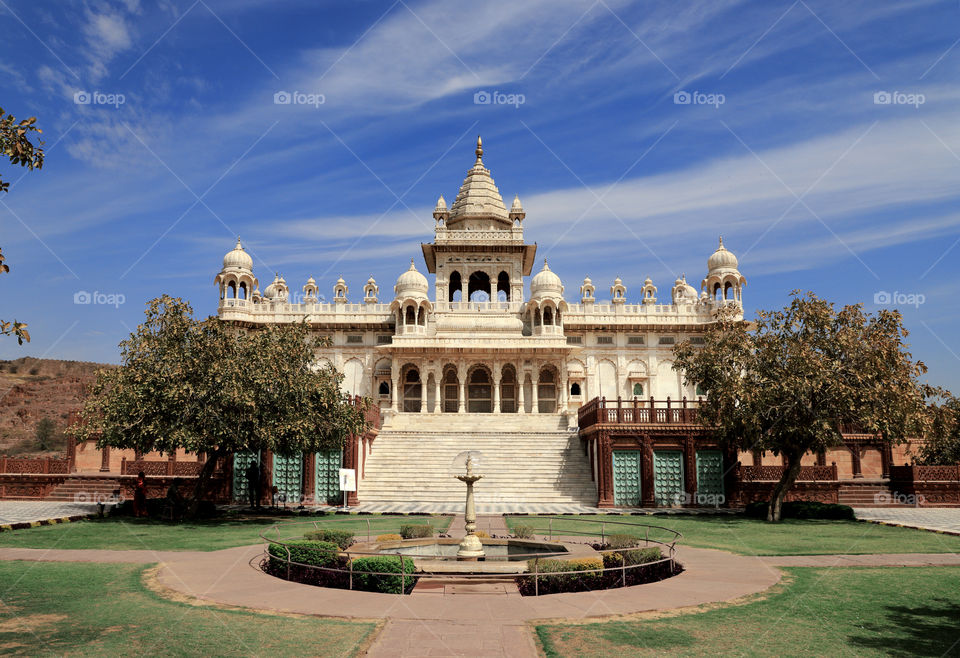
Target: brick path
943, 519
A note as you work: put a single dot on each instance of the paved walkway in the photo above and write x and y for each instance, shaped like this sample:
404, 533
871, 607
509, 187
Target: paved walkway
27, 511
940, 519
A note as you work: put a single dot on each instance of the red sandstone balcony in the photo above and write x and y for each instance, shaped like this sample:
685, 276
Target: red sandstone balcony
636, 411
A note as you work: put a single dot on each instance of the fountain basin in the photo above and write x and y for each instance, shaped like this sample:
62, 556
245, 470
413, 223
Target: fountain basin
434, 555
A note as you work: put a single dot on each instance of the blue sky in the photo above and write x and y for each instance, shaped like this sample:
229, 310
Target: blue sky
787, 148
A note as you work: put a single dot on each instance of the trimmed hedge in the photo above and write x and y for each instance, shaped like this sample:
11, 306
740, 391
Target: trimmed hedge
598, 573
342, 538
803, 509
387, 583
416, 531
523, 531
621, 541
307, 552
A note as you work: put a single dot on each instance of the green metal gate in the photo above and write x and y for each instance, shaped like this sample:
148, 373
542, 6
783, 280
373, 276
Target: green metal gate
327, 488
626, 478
288, 477
668, 477
241, 487
709, 477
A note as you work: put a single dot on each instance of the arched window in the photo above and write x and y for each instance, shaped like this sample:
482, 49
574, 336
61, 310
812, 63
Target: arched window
422, 317
547, 392
479, 392
243, 290
638, 389
232, 289
726, 290
503, 287
411, 391
575, 388
508, 390
547, 316
411, 316
384, 389
456, 285
479, 282
700, 390
536, 318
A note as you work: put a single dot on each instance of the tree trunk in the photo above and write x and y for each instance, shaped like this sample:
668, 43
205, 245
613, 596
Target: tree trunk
203, 482
790, 474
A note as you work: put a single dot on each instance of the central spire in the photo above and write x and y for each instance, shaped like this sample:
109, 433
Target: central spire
478, 205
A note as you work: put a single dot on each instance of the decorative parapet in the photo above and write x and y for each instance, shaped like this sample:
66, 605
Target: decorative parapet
925, 473
636, 411
505, 236
774, 473
34, 465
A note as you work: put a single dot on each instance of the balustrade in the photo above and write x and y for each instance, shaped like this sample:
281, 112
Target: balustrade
637, 411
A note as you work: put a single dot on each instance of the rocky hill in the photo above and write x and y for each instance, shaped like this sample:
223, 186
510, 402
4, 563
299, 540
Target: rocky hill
33, 389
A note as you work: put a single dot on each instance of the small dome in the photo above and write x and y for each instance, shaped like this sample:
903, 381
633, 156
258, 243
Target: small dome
238, 258
546, 283
411, 283
516, 205
371, 281
587, 281
277, 289
722, 259
311, 281
441, 204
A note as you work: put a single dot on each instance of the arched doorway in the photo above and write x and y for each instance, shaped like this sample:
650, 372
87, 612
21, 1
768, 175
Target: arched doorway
547, 392
450, 391
479, 391
411, 390
479, 282
508, 390
455, 287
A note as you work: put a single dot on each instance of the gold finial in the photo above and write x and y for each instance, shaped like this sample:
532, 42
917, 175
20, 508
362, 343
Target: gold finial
479, 150
721, 243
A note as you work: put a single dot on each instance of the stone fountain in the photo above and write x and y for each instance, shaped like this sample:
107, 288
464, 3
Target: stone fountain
470, 546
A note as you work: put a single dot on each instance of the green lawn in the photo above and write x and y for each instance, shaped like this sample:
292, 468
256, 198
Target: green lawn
739, 534
124, 533
823, 612
104, 609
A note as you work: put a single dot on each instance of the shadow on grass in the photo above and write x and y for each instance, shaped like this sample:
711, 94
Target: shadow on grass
929, 630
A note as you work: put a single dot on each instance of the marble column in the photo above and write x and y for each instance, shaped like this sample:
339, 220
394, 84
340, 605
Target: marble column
436, 389
394, 388
534, 393
497, 376
462, 392
423, 392
521, 384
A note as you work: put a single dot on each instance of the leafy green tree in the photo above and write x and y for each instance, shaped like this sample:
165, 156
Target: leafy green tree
941, 438
211, 387
15, 145
790, 382
44, 433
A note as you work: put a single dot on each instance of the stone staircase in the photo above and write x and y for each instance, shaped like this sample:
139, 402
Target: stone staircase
85, 490
530, 458
867, 493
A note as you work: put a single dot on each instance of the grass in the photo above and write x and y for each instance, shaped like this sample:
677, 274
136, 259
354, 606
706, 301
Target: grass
909, 611
104, 609
128, 533
738, 534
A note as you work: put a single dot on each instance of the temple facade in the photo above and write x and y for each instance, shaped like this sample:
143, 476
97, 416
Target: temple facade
567, 397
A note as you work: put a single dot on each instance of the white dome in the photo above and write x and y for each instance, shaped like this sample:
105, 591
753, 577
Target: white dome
546, 283
237, 258
277, 290
722, 259
411, 283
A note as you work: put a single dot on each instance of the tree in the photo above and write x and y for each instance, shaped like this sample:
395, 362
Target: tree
15, 144
791, 383
44, 432
210, 387
941, 438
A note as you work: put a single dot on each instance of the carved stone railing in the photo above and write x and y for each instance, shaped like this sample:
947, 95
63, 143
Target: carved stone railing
161, 467
34, 465
774, 473
637, 411
925, 473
